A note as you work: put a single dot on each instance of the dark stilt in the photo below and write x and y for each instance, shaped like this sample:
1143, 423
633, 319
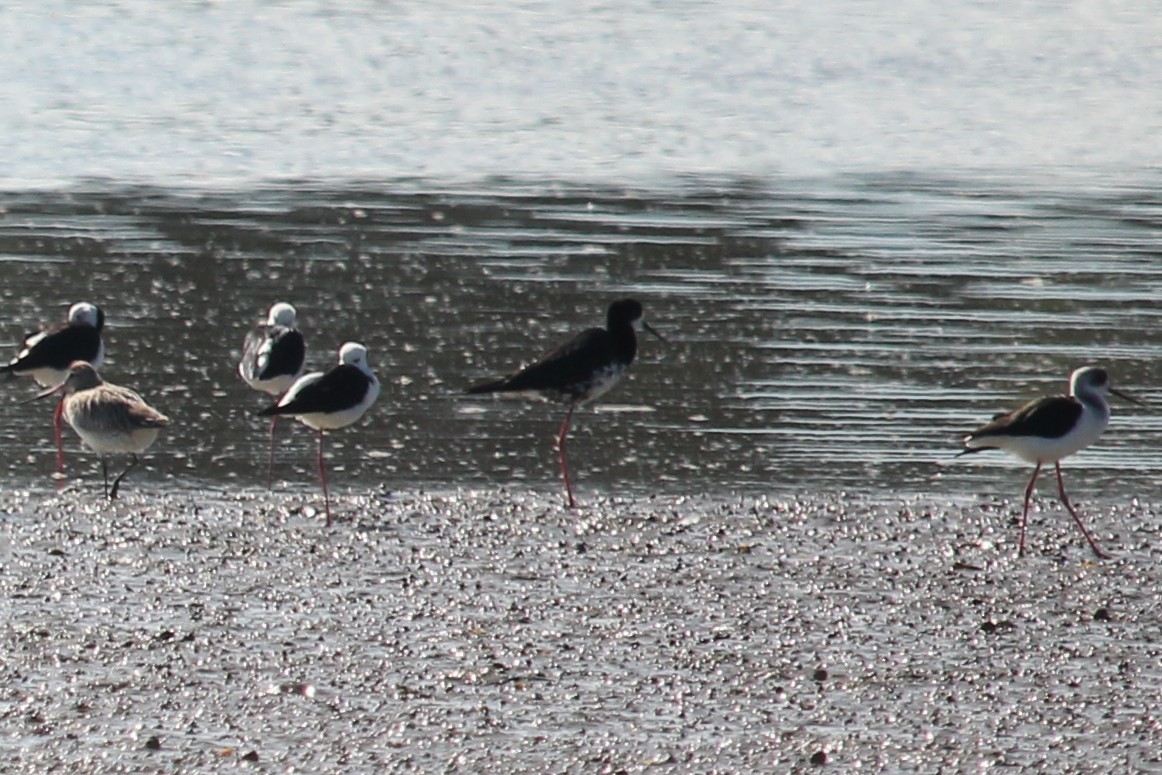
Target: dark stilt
578, 371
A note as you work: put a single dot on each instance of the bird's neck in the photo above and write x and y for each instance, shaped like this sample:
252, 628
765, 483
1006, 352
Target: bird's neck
1093, 402
624, 342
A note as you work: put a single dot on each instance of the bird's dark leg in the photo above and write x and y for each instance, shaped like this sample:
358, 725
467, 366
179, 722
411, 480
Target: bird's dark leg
561, 455
323, 480
270, 457
1084, 531
1025, 513
117, 482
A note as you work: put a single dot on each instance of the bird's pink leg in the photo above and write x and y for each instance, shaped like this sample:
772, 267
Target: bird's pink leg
561, 456
323, 479
58, 434
1084, 531
270, 457
1025, 513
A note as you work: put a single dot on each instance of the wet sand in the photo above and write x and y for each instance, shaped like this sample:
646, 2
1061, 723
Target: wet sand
496, 631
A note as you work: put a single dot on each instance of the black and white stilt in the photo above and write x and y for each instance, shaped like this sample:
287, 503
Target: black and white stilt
330, 400
274, 355
47, 354
1049, 429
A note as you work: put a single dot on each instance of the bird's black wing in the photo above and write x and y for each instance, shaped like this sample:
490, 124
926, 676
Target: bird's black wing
57, 349
1051, 417
570, 363
284, 350
340, 388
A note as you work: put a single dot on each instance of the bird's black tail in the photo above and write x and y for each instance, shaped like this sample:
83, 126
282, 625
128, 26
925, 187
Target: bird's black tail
492, 386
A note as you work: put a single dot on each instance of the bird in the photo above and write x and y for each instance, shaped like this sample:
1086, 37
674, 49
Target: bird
274, 355
46, 356
1051, 428
110, 419
579, 370
330, 400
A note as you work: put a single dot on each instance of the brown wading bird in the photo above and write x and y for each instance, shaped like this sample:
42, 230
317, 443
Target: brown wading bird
109, 419
273, 357
1049, 429
580, 370
46, 356
330, 400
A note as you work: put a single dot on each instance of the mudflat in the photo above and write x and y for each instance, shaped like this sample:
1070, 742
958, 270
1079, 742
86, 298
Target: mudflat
497, 631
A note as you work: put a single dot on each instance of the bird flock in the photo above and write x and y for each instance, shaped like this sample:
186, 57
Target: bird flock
110, 419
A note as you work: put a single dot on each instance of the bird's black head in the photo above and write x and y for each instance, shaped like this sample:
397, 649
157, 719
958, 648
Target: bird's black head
627, 312
624, 312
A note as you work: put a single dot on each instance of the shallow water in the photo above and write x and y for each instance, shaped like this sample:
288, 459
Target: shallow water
822, 335
864, 229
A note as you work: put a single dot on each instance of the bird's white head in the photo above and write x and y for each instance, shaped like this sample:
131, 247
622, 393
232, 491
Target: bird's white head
1095, 381
84, 313
353, 354
282, 314
1089, 378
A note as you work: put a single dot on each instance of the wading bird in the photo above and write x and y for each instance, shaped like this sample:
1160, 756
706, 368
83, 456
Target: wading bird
330, 400
1049, 429
46, 356
110, 419
273, 357
579, 370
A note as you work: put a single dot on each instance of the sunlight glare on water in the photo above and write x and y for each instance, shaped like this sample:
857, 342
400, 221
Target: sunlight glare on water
863, 228
811, 346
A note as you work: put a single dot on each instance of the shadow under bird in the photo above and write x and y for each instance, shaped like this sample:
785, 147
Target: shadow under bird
1051, 428
110, 419
330, 400
579, 370
46, 356
274, 355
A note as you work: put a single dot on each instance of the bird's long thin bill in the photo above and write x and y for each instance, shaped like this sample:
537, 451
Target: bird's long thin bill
42, 394
650, 328
1127, 397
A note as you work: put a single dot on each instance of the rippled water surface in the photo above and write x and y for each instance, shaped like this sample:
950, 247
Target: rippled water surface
823, 335
863, 228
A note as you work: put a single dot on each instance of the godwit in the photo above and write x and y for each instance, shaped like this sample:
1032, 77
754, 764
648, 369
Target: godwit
110, 419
